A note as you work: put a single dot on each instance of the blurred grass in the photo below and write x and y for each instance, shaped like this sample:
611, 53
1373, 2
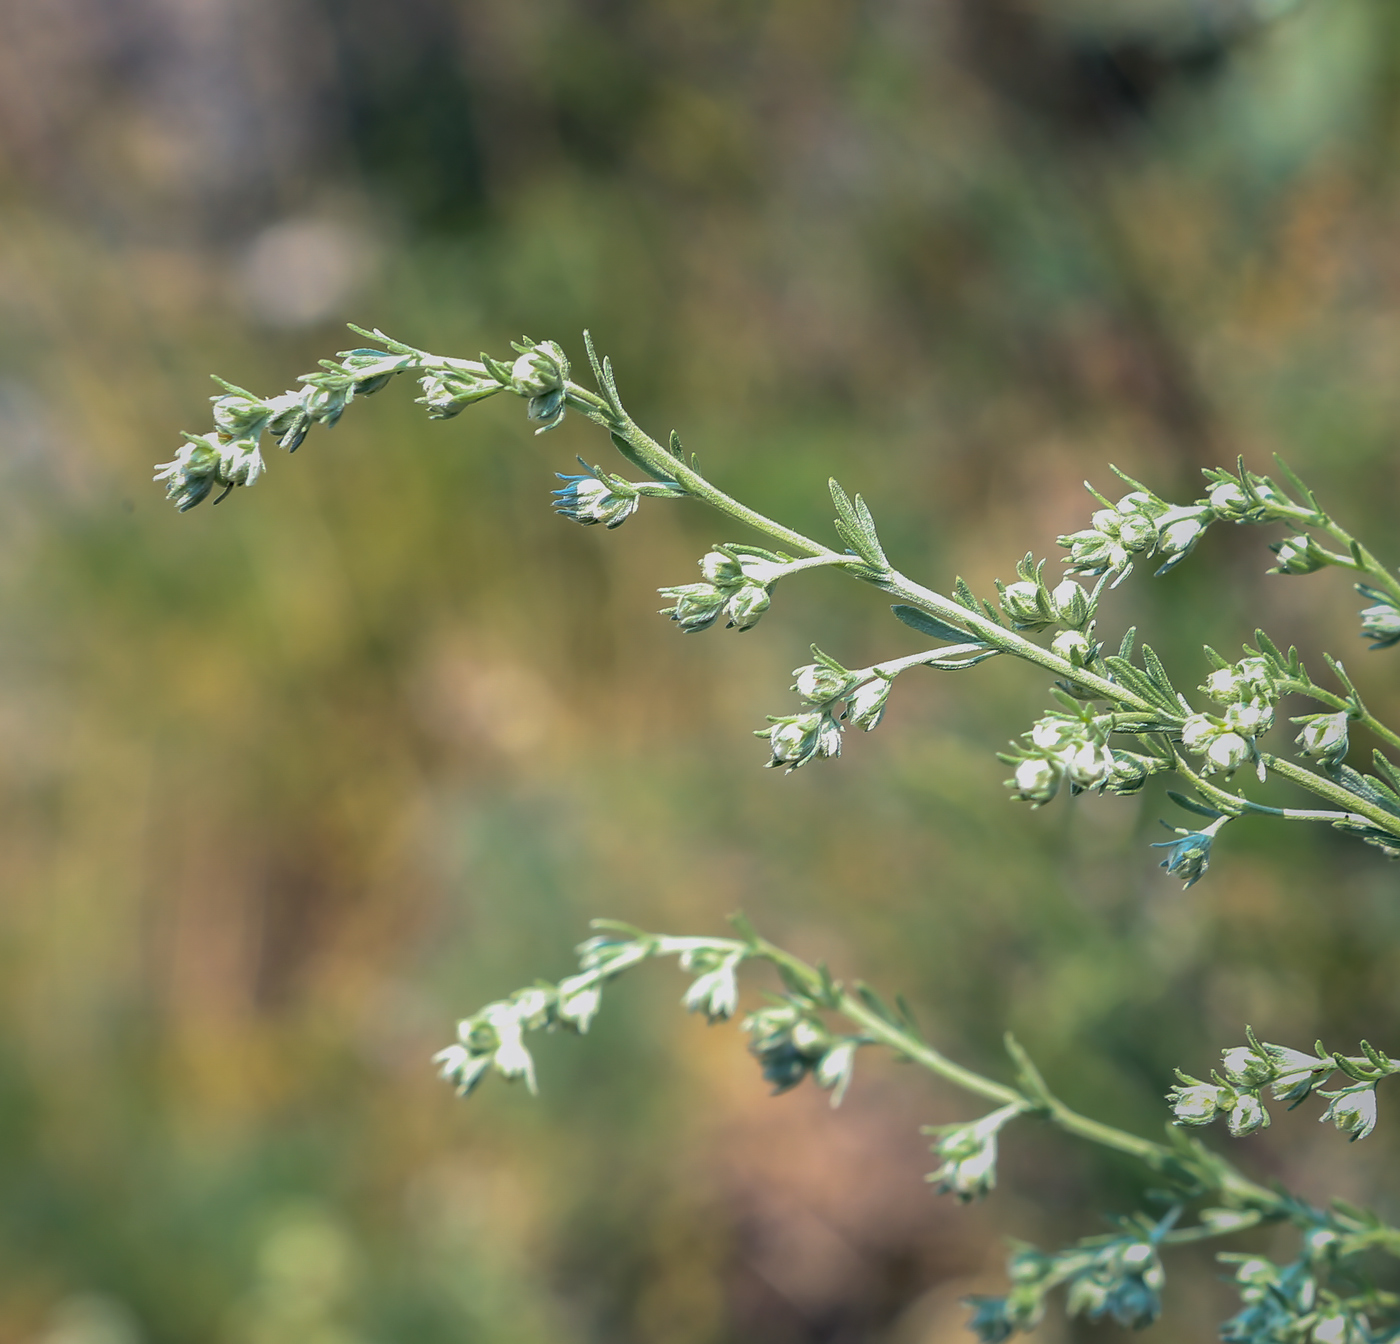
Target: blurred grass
291, 783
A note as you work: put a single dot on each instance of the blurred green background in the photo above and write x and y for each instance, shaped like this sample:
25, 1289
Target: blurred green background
289, 785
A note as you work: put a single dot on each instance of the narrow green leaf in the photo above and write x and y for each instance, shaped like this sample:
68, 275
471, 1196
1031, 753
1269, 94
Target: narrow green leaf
1388, 771
1125, 649
876, 1004
1269, 649
1158, 673
1191, 805
741, 925
962, 594
931, 625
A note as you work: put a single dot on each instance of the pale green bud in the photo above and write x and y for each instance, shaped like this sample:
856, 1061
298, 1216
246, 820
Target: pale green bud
1021, 603
578, 1003
745, 606
1324, 737
540, 370
1072, 646
1198, 732
715, 993
1227, 752
819, 684
1250, 718
1197, 1103
1071, 604
1036, 780
1223, 685
1246, 1114
1228, 500
1298, 555
796, 739
1352, 1110
866, 707
835, 1070
1244, 1067
1089, 765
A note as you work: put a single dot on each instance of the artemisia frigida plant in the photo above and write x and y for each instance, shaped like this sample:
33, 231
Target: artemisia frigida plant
1118, 717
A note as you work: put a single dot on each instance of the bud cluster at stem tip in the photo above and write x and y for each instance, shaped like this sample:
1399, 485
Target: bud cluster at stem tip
737, 583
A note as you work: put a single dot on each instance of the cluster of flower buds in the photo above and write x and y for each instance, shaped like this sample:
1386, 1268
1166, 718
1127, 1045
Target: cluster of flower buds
206, 461
738, 585
1282, 1303
494, 1038
1298, 555
540, 375
1380, 623
1139, 524
1324, 737
1237, 1087
789, 1043
448, 391
715, 989
969, 1154
795, 739
1060, 748
1116, 1276
1248, 691
1030, 604
230, 455
597, 496
823, 683
1243, 499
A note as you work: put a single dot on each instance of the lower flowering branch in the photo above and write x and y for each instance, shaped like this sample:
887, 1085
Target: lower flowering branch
1119, 1275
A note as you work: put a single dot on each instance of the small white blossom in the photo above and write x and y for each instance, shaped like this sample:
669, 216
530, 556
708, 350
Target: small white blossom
1036, 780
866, 707
1070, 644
1198, 732
1227, 752
1250, 718
1352, 1110
1246, 1113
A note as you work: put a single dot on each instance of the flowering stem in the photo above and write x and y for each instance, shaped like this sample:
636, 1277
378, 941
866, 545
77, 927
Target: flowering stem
903, 1041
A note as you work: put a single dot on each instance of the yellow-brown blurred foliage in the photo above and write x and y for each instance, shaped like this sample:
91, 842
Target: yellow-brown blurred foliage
287, 785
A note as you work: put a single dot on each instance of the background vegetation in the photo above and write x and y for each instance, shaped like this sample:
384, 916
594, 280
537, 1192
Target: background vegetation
287, 786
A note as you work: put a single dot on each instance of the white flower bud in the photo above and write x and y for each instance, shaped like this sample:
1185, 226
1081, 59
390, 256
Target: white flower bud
835, 1070
579, 1002
1247, 1114
1228, 500
1227, 752
540, 371
1021, 604
1071, 604
819, 684
1198, 732
1051, 734
1036, 780
1069, 643
1089, 765
1324, 736
1250, 718
866, 707
1106, 521
718, 568
1223, 685
1137, 531
1353, 1111
1195, 1103
1244, 1068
